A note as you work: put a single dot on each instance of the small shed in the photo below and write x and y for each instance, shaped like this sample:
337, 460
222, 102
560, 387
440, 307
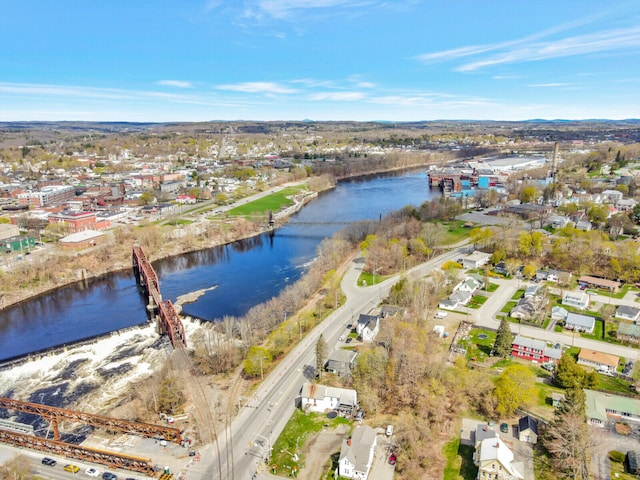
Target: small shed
632, 462
528, 430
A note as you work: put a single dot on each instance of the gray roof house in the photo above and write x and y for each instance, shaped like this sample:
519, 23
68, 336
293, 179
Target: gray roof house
559, 313
367, 327
340, 361
528, 430
625, 312
580, 323
356, 455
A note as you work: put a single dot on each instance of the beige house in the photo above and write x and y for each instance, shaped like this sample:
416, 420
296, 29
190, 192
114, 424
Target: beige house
603, 362
495, 461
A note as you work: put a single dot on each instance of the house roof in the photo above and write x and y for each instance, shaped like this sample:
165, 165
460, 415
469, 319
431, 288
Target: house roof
558, 311
528, 423
483, 431
81, 236
598, 357
496, 449
345, 396
629, 329
531, 290
597, 404
342, 356
627, 311
358, 453
366, 319
580, 297
601, 282
555, 353
582, 321
529, 343
477, 256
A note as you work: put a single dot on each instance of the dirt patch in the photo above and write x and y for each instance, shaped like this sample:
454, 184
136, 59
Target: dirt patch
318, 449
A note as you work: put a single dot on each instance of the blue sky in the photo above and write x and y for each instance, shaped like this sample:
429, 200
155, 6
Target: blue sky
397, 60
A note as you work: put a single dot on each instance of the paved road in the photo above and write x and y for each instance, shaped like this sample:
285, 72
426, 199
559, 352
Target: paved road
245, 445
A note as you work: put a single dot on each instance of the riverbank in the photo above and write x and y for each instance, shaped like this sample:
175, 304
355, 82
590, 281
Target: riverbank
195, 237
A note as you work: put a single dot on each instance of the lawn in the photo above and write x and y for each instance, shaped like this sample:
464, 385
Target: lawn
368, 279
613, 384
598, 331
459, 461
477, 301
518, 295
508, 307
617, 472
455, 232
290, 442
273, 202
479, 348
492, 287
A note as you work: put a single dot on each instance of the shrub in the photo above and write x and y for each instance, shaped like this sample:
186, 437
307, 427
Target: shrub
616, 456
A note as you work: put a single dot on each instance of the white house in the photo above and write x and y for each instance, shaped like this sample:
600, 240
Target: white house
625, 312
469, 284
476, 259
368, 327
320, 398
578, 299
580, 323
603, 362
356, 455
559, 313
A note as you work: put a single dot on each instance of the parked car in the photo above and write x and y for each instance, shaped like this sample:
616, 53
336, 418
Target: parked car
441, 314
341, 338
349, 340
389, 431
392, 459
69, 467
92, 472
504, 427
49, 461
109, 476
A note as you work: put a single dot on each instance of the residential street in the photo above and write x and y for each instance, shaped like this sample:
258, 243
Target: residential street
486, 317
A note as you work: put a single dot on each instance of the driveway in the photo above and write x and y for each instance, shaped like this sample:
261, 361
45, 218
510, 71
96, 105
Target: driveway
381, 470
522, 451
605, 440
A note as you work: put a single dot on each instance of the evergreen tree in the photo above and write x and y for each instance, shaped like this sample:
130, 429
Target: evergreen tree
321, 355
504, 339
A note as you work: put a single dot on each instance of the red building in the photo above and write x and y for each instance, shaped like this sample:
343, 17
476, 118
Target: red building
534, 350
79, 221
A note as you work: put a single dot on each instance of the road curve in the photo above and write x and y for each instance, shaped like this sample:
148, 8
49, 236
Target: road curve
245, 445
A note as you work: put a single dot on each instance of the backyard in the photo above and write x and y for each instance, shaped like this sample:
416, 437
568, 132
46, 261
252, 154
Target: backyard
290, 451
459, 461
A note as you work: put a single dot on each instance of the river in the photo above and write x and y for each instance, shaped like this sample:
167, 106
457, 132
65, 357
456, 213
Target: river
235, 277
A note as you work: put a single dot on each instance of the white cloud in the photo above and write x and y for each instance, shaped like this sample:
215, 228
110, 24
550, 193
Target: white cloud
284, 8
175, 83
337, 96
257, 87
619, 39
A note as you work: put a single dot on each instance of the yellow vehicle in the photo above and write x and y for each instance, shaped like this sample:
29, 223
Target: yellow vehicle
69, 467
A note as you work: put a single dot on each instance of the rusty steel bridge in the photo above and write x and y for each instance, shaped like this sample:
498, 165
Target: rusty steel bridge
169, 320
55, 416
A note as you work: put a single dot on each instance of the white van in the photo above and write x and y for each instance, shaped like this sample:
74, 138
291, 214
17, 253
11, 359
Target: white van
389, 431
441, 314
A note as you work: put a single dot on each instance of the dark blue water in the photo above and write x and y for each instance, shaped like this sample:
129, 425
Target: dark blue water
244, 273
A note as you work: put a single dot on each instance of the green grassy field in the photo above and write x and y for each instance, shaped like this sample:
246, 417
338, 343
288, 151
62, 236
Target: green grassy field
273, 202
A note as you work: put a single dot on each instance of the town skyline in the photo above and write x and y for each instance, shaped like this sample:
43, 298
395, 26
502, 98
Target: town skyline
322, 60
